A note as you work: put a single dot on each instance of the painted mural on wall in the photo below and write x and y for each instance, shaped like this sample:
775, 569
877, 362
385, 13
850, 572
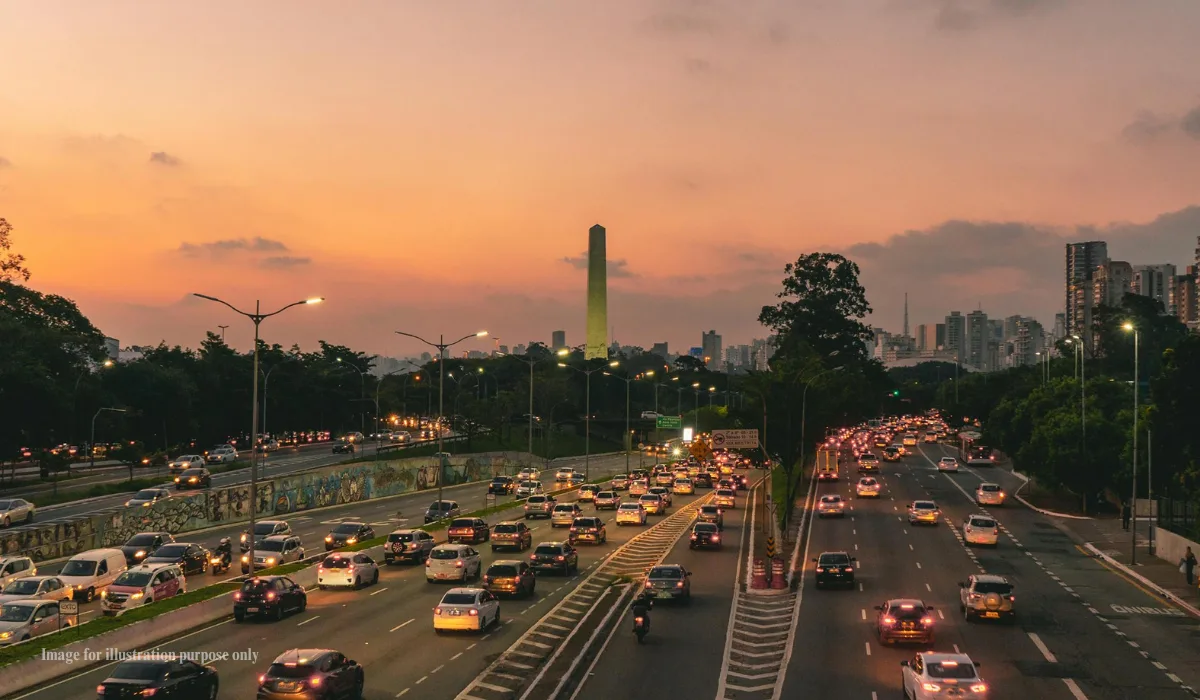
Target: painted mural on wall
52, 540
170, 515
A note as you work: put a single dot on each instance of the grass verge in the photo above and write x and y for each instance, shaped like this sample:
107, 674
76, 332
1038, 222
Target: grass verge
33, 648
781, 482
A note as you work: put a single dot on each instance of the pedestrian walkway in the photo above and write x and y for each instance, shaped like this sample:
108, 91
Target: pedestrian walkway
1115, 542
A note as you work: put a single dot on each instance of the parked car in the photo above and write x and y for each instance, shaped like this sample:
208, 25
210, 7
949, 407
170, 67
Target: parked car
408, 545
15, 510
268, 596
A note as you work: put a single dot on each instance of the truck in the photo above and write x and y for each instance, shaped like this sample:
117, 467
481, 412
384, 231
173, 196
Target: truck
827, 465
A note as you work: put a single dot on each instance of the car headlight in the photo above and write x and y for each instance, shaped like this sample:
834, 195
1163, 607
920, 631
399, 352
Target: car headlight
140, 553
137, 595
245, 559
5, 635
270, 560
352, 540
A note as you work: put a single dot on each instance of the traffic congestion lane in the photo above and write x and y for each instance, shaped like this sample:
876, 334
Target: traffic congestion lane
1107, 612
386, 627
686, 644
385, 515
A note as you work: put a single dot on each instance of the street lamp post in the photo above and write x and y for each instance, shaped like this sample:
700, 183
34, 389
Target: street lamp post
532, 362
628, 434
804, 410
75, 403
362, 392
712, 390
587, 417
1133, 494
256, 318
378, 433
93, 437
441, 347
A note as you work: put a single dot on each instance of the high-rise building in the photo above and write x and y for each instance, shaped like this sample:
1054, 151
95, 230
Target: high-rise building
925, 337
558, 340
1155, 281
710, 343
520, 349
1184, 297
976, 339
1082, 261
597, 295
660, 349
956, 331
112, 348
939, 335
1060, 326
1010, 327
1029, 340
1111, 281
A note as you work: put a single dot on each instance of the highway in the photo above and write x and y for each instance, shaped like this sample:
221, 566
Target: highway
380, 513
388, 627
1058, 647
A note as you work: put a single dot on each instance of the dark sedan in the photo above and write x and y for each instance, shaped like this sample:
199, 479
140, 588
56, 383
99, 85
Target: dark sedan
347, 534
905, 620
300, 674
705, 536
194, 478
269, 596
142, 545
502, 486
140, 678
191, 558
835, 569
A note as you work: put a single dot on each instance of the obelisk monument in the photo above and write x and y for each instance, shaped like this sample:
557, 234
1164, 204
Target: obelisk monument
597, 295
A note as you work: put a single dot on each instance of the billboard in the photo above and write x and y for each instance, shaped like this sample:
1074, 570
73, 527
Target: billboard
734, 439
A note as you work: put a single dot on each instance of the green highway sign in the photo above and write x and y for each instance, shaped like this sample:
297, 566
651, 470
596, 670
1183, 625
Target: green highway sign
669, 422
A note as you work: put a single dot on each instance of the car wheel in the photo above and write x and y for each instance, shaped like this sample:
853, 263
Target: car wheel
7, 522
303, 603
239, 616
278, 613
375, 577
212, 690
90, 595
357, 583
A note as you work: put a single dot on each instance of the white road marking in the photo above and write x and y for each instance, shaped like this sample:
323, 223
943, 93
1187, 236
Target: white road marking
421, 680
456, 655
1041, 646
864, 614
941, 614
956, 650
918, 565
1074, 688
381, 590
910, 548
437, 669
868, 645
928, 588
402, 692
402, 624
472, 646
307, 621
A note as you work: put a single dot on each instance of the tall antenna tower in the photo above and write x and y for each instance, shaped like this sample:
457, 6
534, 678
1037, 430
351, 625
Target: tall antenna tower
906, 314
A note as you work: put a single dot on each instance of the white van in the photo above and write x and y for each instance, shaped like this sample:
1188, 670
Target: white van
15, 567
91, 572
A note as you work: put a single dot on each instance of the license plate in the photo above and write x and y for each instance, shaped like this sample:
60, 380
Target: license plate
991, 614
455, 612
442, 575
251, 609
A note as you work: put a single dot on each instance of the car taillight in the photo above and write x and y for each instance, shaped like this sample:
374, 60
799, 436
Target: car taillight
437, 611
560, 557
847, 568
649, 585
488, 579
262, 678
979, 688
932, 687
996, 531
693, 535
271, 595
473, 612
237, 595
639, 620
926, 621
889, 620
820, 570
715, 538
458, 564
315, 681
679, 585
574, 529
533, 557
428, 562
1012, 599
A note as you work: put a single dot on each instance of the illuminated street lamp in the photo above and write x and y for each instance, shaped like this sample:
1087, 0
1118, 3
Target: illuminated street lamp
587, 417
1128, 327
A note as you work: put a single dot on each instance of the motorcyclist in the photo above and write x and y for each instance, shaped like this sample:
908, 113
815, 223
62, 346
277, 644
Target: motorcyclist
225, 552
641, 607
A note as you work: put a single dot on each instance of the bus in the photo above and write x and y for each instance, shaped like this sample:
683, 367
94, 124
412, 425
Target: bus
973, 453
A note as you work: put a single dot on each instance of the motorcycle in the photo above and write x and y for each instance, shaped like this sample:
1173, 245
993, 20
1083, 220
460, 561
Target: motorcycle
222, 558
641, 625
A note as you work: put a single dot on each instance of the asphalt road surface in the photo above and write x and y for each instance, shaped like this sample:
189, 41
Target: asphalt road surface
387, 627
1058, 648
379, 513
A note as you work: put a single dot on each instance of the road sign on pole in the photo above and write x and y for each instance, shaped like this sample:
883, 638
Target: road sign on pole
735, 439
669, 422
770, 547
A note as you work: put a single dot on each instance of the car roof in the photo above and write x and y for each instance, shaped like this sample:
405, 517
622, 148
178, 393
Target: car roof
299, 656
510, 522
706, 526
506, 562
352, 522
905, 601
629, 505
833, 554
990, 578
454, 546
405, 531
831, 497
463, 590
279, 538
556, 543
151, 568
924, 500
669, 566
271, 522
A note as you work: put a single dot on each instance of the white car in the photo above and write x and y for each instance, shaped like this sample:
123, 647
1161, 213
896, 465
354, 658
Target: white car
631, 514
928, 674
564, 474
831, 506
25, 619
469, 609
177, 465
528, 488
453, 562
664, 493
218, 455
528, 474
867, 487
980, 529
649, 415
40, 587
353, 569
947, 464
989, 495
683, 487
15, 510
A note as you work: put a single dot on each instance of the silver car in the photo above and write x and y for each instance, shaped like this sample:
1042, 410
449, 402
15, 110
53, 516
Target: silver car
220, 455
564, 514
354, 569
274, 551
528, 488
539, 506
989, 495
27, 619
15, 510
148, 497
177, 465
39, 587
453, 562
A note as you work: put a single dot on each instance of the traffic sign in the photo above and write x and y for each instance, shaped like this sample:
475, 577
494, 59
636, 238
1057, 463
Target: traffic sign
735, 439
68, 607
669, 422
770, 547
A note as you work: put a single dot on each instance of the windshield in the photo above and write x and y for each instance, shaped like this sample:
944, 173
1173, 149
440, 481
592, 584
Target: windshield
989, 487
867, 482
140, 541
724, 492
255, 586
830, 499
140, 495
171, 551
900, 612
548, 549
709, 510
586, 522
15, 613
440, 505
629, 506
21, 587
649, 498
138, 670
463, 522
135, 579
951, 670
665, 572
458, 599
336, 563
79, 567
834, 560
506, 528
290, 671
264, 528
444, 554
706, 528
531, 484
536, 499
192, 472
271, 546
564, 508
502, 570
982, 522
606, 494
925, 505
347, 528
501, 480
406, 537
985, 587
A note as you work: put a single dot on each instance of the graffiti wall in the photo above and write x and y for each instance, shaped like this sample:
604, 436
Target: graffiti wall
292, 493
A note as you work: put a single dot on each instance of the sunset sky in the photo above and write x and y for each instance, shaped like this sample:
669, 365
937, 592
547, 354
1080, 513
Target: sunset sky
434, 167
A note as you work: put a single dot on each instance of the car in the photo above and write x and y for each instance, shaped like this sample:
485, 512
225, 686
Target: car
607, 500
347, 533
726, 482
468, 531
981, 530
273, 551
219, 454
904, 620
300, 674
511, 534
466, 609
867, 461
831, 506
931, 437
835, 569
143, 544
924, 512
638, 487
25, 619
354, 569
711, 514
142, 585
194, 478
502, 486
539, 506
702, 480
989, 494
947, 464
741, 482
408, 545
400, 436
35, 587
147, 674
344, 448
664, 478
631, 513
262, 530
564, 474
16, 510
450, 562
587, 492
705, 536
441, 510
669, 581
528, 488
555, 556
664, 493
510, 577
891, 453
683, 487
588, 528
868, 487
649, 415
987, 596
191, 558
529, 474
652, 503
620, 482
148, 497
909, 440
926, 675
725, 498
564, 514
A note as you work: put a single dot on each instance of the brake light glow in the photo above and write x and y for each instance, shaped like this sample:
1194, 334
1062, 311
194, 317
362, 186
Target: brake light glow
1012, 598
926, 621
262, 678
820, 570
237, 595
679, 585
889, 620
715, 538
458, 564
437, 611
271, 595
906, 606
428, 562
473, 612
638, 620
649, 585
848, 568
533, 556
561, 558
932, 687
315, 681
979, 688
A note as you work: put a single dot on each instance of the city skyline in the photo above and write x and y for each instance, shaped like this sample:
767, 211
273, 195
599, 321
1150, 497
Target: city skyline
272, 176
